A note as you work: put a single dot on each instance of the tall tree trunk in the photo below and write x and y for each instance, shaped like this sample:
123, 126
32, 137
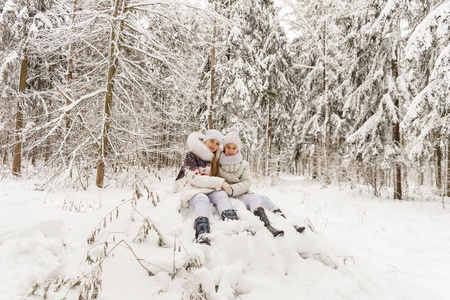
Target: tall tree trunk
326, 123
438, 164
421, 175
112, 67
268, 136
70, 61
310, 166
448, 169
35, 153
17, 158
315, 162
396, 136
213, 58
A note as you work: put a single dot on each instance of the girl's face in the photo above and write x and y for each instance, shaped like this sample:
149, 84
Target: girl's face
231, 149
212, 145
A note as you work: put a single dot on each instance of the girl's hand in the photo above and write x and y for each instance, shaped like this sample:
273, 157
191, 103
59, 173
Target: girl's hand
227, 188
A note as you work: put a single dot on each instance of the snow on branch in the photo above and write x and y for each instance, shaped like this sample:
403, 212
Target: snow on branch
369, 126
388, 10
423, 139
417, 106
73, 104
434, 26
391, 109
442, 65
7, 62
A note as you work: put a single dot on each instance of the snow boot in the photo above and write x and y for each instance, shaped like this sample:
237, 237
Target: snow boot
278, 211
201, 226
259, 212
229, 214
299, 229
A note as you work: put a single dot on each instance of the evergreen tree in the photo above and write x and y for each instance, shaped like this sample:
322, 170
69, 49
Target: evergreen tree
253, 85
426, 121
318, 117
380, 88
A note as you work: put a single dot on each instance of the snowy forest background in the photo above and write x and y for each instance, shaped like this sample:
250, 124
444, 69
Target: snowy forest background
343, 91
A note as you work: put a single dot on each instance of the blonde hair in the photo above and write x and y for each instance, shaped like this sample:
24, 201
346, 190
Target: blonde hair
214, 165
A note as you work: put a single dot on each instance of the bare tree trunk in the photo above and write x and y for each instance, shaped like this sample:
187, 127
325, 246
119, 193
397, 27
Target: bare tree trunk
315, 164
112, 67
310, 166
327, 106
421, 175
303, 165
34, 153
70, 61
447, 192
17, 158
213, 57
398, 181
438, 164
396, 138
268, 136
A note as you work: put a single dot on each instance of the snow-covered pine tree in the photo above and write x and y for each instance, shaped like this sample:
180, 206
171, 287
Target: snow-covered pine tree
374, 105
427, 120
318, 120
253, 86
278, 94
177, 97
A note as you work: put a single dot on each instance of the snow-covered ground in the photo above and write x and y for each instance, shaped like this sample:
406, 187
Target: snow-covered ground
363, 247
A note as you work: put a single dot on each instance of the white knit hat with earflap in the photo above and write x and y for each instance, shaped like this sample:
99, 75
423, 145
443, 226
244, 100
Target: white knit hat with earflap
213, 134
233, 137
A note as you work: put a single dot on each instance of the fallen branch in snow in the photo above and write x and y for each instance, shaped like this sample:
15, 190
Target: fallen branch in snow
329, 261
310, 225
145, 230
103, 222
137, 194
91, 281
326, 259
345, 258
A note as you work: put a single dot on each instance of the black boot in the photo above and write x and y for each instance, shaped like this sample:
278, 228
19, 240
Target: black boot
263, 217
201, 226
299, 229
229, 214
278, 211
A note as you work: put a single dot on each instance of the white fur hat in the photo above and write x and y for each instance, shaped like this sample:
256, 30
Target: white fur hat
233, 137
213, 134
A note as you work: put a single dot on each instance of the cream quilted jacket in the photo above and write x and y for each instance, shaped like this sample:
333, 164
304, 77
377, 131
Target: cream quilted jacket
238, 176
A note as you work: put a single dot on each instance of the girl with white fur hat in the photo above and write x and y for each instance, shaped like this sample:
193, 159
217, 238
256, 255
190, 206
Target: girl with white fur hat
236, 172
199, 184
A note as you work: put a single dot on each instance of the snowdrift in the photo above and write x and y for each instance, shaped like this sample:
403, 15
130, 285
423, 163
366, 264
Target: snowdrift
138, 244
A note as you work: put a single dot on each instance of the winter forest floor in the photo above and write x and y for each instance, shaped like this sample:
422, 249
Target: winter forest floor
363, 247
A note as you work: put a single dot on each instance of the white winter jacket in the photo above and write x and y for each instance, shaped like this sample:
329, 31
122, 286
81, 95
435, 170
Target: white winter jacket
194, 176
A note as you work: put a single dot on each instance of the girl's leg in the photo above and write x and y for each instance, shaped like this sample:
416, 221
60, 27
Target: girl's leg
255, 204
267, 203
270, 206
252, 201
221, 200
201, 204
